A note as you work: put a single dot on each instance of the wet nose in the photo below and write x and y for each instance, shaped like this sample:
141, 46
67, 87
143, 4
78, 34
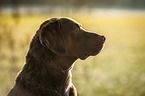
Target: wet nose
102, 38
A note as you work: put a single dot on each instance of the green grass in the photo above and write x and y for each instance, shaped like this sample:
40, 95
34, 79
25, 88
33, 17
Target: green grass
119, 70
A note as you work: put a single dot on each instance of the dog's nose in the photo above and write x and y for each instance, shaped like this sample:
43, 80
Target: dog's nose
102, 38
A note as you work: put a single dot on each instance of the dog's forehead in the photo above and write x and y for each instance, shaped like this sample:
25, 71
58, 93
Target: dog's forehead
69, 21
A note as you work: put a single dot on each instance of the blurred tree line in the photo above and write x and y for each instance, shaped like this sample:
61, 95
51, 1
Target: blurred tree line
77, 3
65, 5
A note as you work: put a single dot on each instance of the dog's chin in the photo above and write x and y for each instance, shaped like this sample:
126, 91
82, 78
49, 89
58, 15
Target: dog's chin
84, 57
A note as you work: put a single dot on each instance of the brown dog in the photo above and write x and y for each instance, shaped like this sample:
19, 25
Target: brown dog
56, 45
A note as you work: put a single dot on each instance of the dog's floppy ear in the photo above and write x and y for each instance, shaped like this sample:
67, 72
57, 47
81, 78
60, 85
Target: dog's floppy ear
50, 35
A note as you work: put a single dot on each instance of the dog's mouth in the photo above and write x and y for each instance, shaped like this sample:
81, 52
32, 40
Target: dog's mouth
92, 52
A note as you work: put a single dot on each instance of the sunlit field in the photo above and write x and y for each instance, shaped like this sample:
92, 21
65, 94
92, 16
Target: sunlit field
119, 70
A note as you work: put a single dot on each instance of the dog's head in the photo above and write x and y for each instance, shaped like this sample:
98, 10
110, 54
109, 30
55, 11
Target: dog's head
66, 37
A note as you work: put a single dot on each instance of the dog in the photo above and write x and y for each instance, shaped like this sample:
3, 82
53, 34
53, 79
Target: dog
51, 55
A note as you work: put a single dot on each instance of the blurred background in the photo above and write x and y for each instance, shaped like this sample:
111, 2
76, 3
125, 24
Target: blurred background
119, 70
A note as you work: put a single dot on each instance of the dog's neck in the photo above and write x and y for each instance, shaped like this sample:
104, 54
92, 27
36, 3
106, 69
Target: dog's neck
47, 67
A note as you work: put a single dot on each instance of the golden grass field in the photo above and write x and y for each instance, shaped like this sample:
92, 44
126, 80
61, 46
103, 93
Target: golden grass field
119, 70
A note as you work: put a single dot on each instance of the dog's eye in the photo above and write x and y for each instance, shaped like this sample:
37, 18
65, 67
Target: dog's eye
76, 30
